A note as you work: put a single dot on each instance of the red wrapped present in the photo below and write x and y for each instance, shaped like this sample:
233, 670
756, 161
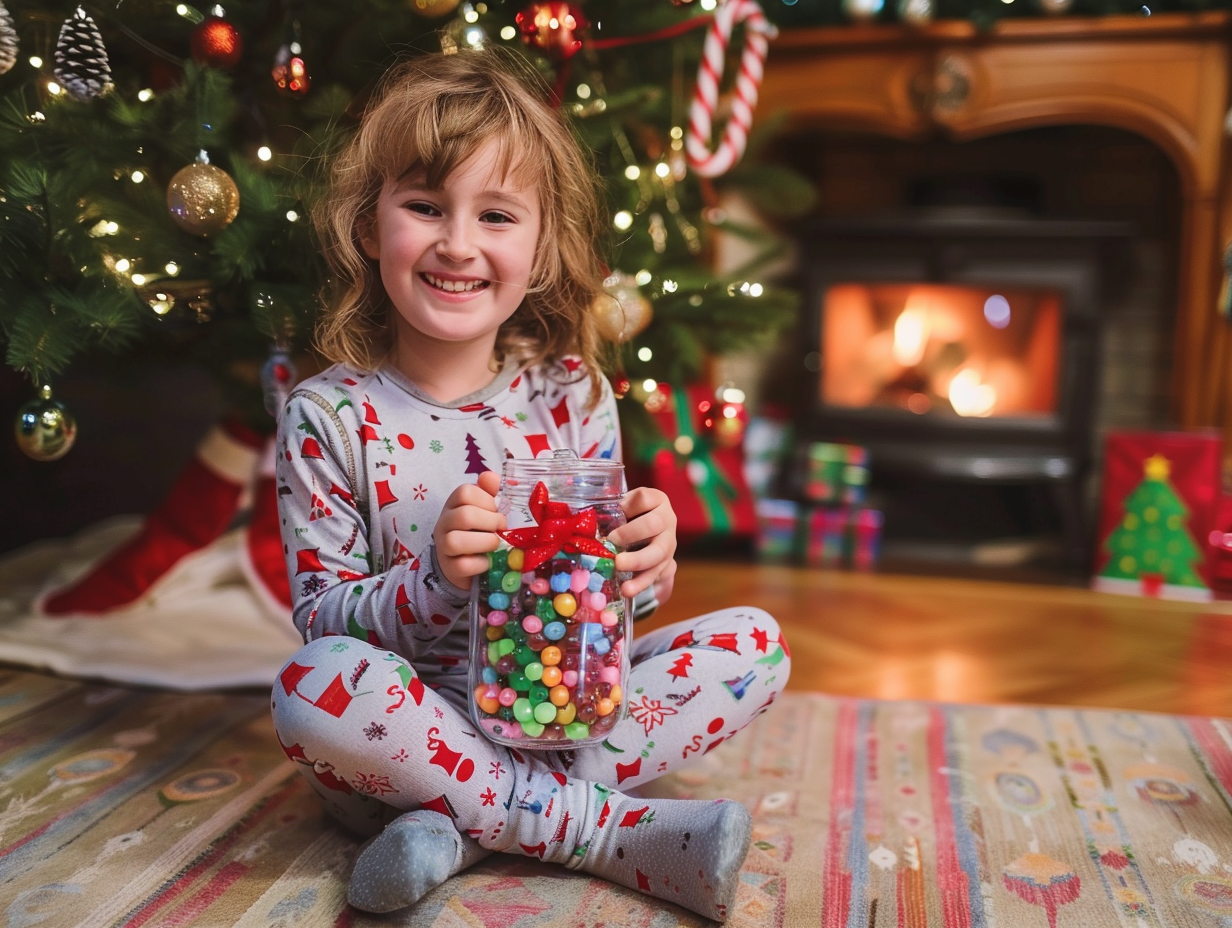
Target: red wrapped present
703, 479
1159, 502
1219, 563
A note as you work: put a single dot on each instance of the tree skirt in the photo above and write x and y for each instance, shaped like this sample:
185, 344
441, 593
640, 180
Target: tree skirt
202, 626
123, 807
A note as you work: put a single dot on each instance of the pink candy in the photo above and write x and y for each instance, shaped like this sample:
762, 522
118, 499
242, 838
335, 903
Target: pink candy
579, 580
609, 674
608, 618
597, 601
508, 696
539, 586
497, 617
532, 625
569, 678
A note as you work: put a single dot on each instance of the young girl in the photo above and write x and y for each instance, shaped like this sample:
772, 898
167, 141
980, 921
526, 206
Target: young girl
460, 228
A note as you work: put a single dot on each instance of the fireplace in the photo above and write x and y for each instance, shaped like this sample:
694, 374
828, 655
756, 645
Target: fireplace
961, 347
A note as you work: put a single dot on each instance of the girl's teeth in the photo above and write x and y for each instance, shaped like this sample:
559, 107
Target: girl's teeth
453, 286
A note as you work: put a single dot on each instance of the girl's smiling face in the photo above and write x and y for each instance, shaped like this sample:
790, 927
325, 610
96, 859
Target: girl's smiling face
455, 262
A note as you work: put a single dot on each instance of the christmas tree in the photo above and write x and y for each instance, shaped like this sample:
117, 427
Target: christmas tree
158, 164
1152, 546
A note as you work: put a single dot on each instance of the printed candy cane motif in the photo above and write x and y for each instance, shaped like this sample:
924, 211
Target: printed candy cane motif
706, 96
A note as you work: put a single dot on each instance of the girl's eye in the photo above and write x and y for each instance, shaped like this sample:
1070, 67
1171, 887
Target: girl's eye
494, 217
424, 209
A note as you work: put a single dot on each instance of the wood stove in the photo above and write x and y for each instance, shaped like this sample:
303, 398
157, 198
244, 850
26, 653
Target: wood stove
961, 348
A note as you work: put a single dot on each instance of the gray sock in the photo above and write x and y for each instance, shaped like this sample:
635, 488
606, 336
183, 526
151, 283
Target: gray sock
415, 853
686, 851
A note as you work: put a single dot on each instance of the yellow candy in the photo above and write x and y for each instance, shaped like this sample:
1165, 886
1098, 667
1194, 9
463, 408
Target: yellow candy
517, 557
605, 707
617, 693
494, 633
564, 604
566, 714
559, 695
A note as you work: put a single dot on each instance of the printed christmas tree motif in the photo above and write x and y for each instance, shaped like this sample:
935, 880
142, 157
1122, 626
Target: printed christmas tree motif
475, 464
1152, 544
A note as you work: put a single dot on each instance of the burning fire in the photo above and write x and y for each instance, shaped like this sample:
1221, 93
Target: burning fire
969, 396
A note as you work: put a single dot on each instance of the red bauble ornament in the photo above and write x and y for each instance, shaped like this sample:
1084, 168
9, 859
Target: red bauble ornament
553, 27
621, 386
217, 43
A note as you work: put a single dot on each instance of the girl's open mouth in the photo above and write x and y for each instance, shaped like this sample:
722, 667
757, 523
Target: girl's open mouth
453, 286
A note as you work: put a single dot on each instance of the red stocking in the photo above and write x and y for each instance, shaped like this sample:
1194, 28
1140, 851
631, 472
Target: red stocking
201, 505
264, 562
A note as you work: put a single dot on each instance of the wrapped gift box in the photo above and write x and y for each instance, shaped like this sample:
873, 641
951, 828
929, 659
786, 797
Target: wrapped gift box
835, 474
1160, 497
703, 479
841, 536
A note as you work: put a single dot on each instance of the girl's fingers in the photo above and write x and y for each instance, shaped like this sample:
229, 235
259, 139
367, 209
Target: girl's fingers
461, 542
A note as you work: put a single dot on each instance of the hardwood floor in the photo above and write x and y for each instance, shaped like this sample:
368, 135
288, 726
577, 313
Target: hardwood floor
905, 637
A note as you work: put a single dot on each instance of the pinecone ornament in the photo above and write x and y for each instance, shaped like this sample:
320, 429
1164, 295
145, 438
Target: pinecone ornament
8, 41
81, 58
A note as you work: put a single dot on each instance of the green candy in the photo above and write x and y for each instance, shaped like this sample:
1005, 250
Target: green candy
499, 559
493, 580
494, 654
510, 582
523, 655
545, 610
504, 646
518, 682
532, 729
576, 731
522, 710
534, 671
606, 567
545, 712
539, 694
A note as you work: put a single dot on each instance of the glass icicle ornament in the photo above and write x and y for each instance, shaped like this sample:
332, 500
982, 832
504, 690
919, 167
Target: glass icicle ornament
8, 40
45, 430
622, 312
82, 68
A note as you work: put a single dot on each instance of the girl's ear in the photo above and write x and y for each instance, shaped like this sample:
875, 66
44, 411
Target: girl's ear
369, 237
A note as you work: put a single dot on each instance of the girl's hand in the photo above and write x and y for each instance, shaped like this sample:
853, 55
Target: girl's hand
466, 530
651, 533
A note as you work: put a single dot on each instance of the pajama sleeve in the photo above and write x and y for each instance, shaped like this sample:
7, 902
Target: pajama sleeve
340, 585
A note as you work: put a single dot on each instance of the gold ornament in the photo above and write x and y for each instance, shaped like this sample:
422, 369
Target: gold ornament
622, 312
202, 199
434, 9
45, 429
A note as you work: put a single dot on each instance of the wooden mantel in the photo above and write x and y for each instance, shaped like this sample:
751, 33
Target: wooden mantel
1165, 77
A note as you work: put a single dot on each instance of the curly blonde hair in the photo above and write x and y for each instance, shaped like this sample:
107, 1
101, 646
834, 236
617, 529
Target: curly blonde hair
431, 113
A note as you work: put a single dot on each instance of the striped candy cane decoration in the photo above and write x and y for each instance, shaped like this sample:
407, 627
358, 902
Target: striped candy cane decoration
752, 63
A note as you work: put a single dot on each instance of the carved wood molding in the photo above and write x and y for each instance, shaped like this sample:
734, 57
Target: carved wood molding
1164, 77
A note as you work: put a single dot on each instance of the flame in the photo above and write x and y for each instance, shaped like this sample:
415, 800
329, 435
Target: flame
910, 335
969, 396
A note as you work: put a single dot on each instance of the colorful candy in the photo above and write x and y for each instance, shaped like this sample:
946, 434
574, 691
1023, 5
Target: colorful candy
554, 648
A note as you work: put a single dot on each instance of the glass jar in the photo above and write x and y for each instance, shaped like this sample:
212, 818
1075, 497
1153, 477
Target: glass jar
550, 630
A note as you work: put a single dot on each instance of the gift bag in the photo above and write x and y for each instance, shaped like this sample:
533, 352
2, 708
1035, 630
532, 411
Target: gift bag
1160, 492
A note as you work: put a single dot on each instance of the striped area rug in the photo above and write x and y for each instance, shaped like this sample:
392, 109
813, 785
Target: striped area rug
146, 808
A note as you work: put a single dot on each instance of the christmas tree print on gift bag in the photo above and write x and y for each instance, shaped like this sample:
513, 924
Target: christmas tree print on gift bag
1152, 525
550, 631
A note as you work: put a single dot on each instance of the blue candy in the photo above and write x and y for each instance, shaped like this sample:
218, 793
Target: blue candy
554, 631
560, 583
498, 600
590, 631
489, 675
588, 561
595, 583
602, 646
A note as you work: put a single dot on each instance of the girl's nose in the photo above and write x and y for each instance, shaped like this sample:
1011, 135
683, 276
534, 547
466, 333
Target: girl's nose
455, 243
